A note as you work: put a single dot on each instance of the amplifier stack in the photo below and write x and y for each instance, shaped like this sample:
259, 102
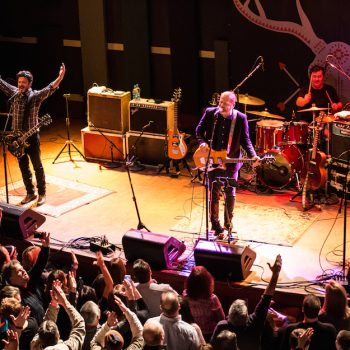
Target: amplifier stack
122, 121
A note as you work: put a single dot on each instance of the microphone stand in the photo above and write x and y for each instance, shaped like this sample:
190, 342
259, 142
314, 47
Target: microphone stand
206, 180
112, 163
4, 154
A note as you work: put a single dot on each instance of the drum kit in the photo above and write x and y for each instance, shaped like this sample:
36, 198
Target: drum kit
287, 141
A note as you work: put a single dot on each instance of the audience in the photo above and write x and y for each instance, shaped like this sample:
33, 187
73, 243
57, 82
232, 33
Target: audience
91, 314
153, 336
178, 334
335, 308
225, 340
299, 339
205, 306
324, 334
343, 340
249, 327
150, 290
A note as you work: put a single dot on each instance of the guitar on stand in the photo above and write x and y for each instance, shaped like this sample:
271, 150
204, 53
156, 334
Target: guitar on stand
175, 141
316, 174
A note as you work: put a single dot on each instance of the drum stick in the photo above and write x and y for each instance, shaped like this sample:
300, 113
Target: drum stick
329, 98
309, 86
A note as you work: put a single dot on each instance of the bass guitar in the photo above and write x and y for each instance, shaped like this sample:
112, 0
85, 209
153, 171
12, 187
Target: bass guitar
16, 140
218, 159
315, 175
177, 148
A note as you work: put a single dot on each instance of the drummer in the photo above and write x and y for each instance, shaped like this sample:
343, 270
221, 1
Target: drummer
318, 93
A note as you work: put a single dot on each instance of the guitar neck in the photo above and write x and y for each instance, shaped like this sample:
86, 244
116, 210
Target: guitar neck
239, 160
32, 131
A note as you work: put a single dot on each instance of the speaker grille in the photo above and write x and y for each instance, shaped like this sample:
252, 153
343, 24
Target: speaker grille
340, 141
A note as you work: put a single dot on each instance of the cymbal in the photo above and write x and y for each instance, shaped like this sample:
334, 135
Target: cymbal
266, 114
313, 109
250, 100
5, 114
326, 118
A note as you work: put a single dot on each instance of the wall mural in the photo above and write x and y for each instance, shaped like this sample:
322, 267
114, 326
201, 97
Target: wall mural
337, 52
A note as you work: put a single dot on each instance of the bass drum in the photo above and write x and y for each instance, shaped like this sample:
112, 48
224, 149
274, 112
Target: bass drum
278, 174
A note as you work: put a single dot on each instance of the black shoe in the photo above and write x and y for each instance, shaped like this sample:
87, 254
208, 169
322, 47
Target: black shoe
28, 198
41, 200
215, 226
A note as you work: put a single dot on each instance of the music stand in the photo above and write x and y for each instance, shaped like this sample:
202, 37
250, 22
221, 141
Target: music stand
69, 143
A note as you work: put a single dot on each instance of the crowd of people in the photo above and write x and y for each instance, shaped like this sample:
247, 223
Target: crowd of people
42, 307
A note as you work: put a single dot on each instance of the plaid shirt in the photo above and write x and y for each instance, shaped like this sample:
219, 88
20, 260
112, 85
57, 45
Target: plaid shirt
19, 103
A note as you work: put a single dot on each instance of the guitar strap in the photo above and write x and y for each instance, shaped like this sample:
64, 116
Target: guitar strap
25, 120
232, 129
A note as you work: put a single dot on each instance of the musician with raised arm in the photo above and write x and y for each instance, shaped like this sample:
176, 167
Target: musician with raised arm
24, 108
228, 129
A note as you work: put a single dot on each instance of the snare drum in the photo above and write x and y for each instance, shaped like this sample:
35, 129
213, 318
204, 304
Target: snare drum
295, 133
278, 174
269, 135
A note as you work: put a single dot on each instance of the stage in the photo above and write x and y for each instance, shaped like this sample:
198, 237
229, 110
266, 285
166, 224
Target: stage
163, 201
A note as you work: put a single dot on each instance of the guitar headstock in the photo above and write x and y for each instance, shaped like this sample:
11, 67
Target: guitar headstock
46, 119
177, 95
268, 158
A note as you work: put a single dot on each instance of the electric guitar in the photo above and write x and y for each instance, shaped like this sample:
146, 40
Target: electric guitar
177, 148
16, 140
316, 174
218, 159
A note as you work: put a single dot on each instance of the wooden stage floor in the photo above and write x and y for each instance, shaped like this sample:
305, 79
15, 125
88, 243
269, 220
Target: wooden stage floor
162, 200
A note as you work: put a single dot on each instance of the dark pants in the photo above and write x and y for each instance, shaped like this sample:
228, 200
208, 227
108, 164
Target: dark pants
217, 186
33, 152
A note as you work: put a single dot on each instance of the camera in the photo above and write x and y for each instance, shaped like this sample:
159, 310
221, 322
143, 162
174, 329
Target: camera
38, 234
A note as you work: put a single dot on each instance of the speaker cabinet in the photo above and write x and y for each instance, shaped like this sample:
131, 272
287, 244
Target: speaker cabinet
108, 111
18, 222
96, 147
141, 112
225, 262
158, 250
150, 149
340, 141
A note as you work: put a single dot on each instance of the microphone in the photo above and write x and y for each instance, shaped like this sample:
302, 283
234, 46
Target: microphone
148, 125
262, 63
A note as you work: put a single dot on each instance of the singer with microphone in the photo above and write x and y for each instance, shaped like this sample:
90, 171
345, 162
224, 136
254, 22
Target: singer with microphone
24, 106
318, 93
224, 128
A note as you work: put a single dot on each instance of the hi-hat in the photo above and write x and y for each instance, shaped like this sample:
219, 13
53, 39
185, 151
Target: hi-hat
266, 114
250, 100
313, 109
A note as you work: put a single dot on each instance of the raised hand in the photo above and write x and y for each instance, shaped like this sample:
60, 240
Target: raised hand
22, 317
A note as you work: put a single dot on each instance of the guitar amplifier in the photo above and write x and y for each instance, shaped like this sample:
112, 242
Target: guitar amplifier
149, 150
340, 141
96, 147
142, 111
339, 178
108, 109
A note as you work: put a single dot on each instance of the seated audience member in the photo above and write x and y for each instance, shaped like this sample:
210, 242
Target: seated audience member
343, 340
30, 256
324, 334
107, 338
14, 274
48, 336
149, 289
178, 334
205, 306
299, 339
225, 340
249, 327
91, 315
335, 308
153, 336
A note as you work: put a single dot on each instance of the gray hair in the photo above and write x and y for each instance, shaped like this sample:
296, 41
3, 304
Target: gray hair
90, 312
238, 312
